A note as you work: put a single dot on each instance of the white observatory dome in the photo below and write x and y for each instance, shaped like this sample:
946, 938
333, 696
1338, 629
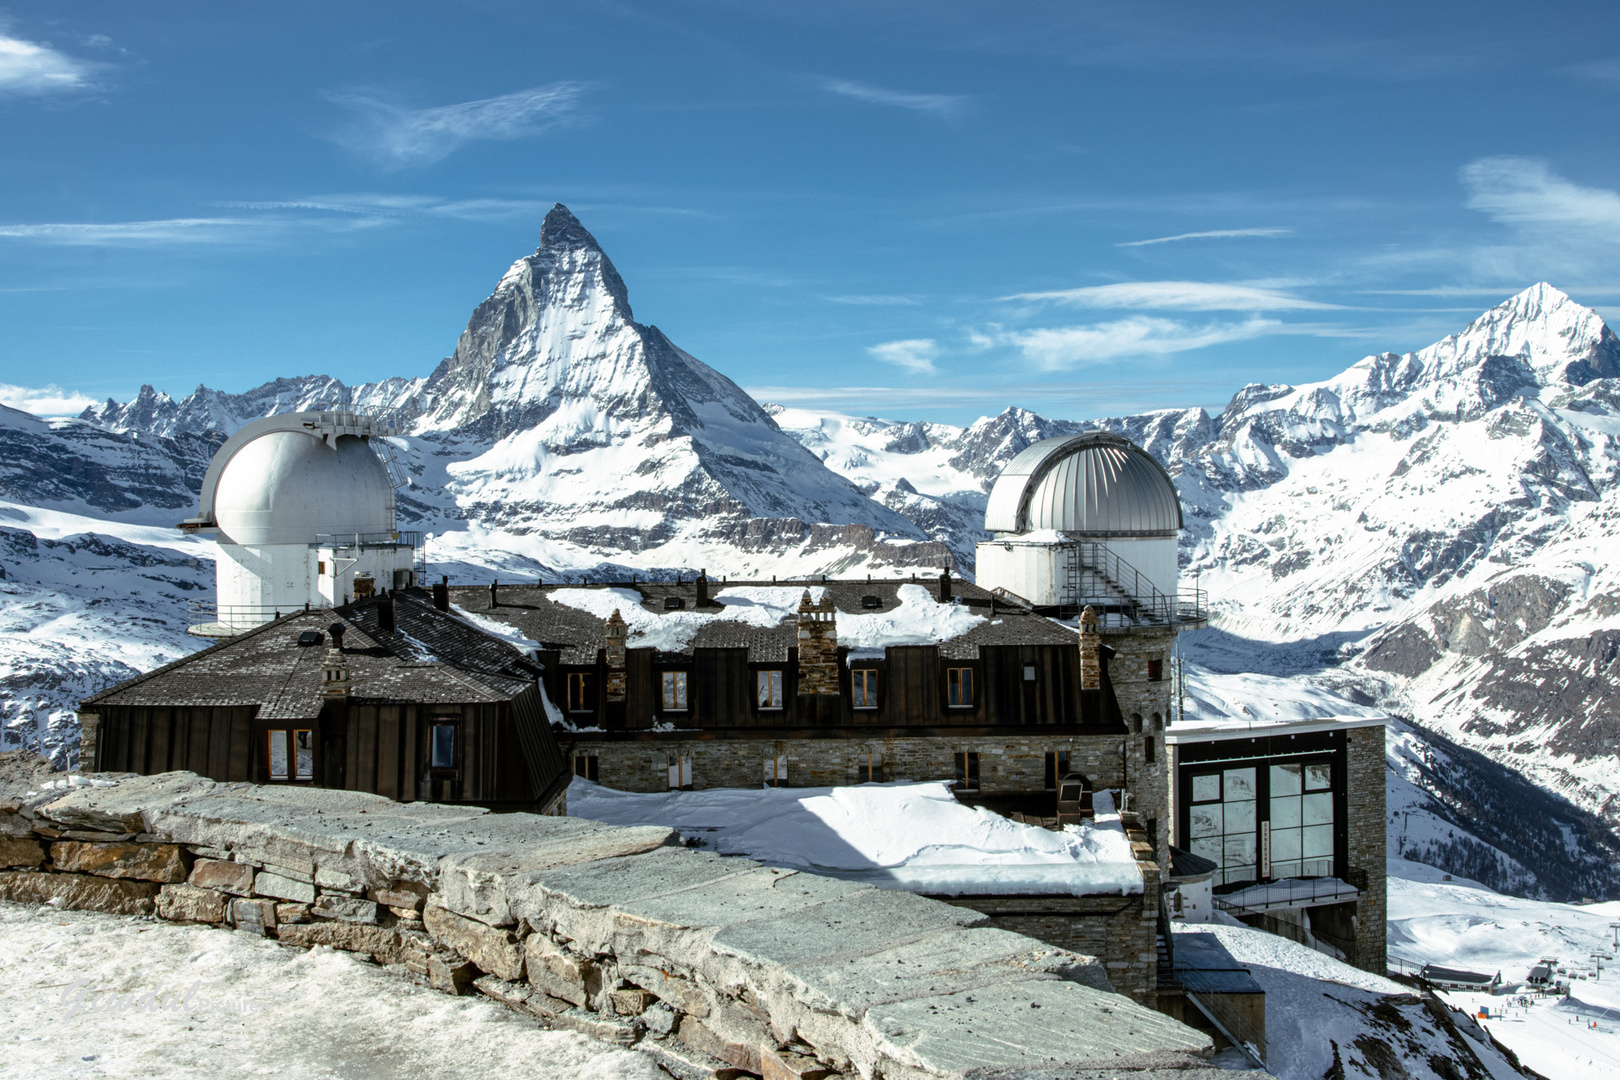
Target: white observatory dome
1091, 485
290, 487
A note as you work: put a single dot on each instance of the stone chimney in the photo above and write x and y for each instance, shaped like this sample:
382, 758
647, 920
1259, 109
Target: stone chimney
335, 672
617, 632
945, 585
1090, 651
818, 646
494, 595
441, 594
702, 583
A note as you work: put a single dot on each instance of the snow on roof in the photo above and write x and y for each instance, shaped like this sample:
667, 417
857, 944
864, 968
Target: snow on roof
894, 836
919, 620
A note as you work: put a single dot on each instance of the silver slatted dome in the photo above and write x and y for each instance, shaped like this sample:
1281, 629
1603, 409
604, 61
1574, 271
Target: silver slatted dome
1095, 484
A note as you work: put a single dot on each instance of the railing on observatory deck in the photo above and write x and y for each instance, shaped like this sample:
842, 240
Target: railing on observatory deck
1121, 595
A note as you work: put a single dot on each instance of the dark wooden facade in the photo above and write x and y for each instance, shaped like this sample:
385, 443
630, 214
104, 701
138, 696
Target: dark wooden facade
912, 691
223, 713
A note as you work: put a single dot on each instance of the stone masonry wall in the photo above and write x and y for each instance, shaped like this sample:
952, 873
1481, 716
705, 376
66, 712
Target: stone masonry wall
1006, 764
1120, 931
1365, 766
718, 968
1141, 699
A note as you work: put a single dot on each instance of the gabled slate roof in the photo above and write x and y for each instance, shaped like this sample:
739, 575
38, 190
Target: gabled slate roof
430, 658
577, 635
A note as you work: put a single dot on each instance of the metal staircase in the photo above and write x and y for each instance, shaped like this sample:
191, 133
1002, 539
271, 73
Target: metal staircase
1120, 594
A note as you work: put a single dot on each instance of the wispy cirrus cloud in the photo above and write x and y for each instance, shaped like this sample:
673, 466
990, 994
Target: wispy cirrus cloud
1178, 296
945, 106
28, 67
399, 136
916, 355
873, 300
1526, 192
1059, 347
132, 233
387, 206
1207, 234
49, 400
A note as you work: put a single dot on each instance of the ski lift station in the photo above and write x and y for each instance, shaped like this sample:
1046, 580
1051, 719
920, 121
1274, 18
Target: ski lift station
302, 506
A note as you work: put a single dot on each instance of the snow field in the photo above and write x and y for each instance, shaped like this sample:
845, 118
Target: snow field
1463, 924
900, 835
92, 995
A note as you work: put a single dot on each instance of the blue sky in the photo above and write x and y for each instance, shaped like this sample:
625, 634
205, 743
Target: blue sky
912, 210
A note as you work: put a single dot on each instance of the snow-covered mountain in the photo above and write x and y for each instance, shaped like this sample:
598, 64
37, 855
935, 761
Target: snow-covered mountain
563, 432
1425, 533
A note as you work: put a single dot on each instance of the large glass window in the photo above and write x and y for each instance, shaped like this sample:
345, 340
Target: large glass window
1301, 820
1221, 823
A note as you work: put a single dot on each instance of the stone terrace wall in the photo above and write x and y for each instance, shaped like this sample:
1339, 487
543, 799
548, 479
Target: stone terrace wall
717, 967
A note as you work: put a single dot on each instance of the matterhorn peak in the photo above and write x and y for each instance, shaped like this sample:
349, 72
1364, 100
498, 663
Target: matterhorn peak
562, 229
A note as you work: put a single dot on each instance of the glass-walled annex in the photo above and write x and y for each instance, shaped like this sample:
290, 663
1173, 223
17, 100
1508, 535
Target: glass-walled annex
1262, 811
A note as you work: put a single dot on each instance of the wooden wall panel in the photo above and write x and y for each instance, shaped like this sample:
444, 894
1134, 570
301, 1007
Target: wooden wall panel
243, 756
410, 753
388, 736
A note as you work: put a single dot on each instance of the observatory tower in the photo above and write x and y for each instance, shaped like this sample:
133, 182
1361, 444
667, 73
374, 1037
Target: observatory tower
303, 510
1092, 521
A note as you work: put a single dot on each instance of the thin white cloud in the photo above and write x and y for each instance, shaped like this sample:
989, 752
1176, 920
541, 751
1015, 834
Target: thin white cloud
1178, 296
374, 205
399, 136
50, 400
1054, 348
873, 300
1525, 192
120, 233
916, 355
947, 106
1208, 234
27, 67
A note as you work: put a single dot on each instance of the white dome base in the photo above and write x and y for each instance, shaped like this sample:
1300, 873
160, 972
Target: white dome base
1036, 568
257, 582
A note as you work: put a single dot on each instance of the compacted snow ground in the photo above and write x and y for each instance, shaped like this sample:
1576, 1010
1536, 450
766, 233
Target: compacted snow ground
1462, 924
91, 995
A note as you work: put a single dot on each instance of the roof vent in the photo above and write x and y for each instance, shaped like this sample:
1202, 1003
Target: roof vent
310, 637
870, 602
336, 630
673, 603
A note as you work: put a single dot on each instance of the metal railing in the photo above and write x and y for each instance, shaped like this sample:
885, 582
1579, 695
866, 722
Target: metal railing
1122, 595
1288, 893
239, 617
398, 538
